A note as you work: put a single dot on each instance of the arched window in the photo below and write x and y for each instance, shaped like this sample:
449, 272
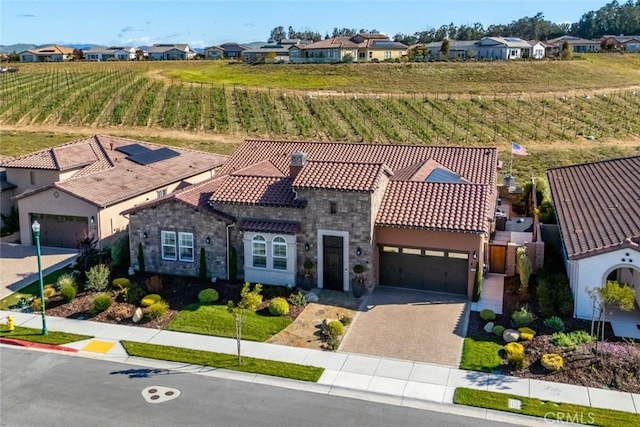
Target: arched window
279, 246
259, 251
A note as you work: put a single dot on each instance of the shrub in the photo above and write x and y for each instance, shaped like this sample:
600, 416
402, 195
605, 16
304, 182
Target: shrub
68, 292
202, 270
141, 266
207, 296
150, 299
279, 307
134, 294
552, 361
498, 330
157, 310
298, 299
554, 295
523, 264
65, 279
121, 283
346, 320
526, 333
572, 340
120, 251
515, 355
98, 278
522, 317
233, 265
554, 323
487, 314
36, 304
154, 284
49, 291
477, 284
100, 303
335, 327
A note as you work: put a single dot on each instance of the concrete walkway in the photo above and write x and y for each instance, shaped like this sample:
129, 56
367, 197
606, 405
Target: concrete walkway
397, 382
19, 264
491, 294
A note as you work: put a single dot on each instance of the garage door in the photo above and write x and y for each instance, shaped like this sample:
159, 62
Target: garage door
426, 269
60, 231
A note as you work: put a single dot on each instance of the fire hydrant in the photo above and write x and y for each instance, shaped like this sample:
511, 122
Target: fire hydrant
10, 323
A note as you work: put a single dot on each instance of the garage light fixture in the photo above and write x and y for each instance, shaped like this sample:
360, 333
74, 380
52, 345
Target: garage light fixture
92, 220
144, 234
359, 251
475, 255
307, 247
208, 240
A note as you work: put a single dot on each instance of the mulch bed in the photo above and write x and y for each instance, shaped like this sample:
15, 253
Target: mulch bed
178, 292
617, 368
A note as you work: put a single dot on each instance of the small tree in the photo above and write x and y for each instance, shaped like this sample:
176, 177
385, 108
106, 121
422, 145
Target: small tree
523, 263
233, 265
250, 300
202, 271
610, 295
567, 51
444, 49
141, 267
477, 283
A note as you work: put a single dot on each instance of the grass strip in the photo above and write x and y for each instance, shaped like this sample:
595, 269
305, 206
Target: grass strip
223, 361
551, 411
480, 356
32, 288
35, 335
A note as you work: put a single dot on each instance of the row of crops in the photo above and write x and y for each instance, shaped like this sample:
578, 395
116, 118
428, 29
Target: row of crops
124, 97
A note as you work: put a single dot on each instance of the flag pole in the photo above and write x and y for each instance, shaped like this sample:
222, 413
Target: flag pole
511, 164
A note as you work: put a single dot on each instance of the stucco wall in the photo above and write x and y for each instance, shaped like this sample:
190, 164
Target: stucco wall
178, 217
593, 271
22, 178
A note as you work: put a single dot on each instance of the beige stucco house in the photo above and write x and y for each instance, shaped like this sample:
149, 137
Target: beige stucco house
358, 48
413, 216
83, 186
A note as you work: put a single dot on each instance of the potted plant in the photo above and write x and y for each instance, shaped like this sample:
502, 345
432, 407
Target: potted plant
358, 281
307, 278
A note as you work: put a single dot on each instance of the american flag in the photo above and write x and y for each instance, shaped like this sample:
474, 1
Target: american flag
518, 150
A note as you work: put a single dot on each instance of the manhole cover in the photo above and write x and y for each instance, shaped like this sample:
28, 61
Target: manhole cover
156, 394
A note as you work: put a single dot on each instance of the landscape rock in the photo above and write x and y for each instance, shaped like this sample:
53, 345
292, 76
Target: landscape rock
488, 328
137, 316
510, 335
311, 297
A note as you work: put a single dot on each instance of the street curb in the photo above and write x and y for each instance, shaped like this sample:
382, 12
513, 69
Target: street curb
30, 344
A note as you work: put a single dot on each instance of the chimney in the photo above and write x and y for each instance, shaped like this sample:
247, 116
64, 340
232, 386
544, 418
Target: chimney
297, 161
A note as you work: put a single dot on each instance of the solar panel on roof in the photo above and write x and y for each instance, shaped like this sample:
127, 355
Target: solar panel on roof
153, 156
441, 175
132, 149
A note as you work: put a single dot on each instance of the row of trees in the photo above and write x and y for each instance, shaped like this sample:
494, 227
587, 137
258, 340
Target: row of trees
613, 18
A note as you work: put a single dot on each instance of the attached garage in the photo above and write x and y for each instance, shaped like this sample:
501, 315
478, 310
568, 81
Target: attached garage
61, 231
425, 269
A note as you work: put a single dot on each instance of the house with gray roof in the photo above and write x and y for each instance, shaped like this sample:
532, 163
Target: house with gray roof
83, 186
487, 48
597, 205
412, 216
171, 52
111, 53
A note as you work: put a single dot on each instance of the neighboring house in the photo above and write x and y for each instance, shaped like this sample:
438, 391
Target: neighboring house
86, 184
113, 53
413, 216
213, 52
272, 52
577, 44
7, 190
491, 48
597, 205
232, 50
623, 43
52, 53
537, 50
171, 52
358, 48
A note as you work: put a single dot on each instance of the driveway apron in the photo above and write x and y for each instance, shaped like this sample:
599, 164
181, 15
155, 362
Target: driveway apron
410, 325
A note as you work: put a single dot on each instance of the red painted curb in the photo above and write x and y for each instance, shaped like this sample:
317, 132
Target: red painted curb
23, 343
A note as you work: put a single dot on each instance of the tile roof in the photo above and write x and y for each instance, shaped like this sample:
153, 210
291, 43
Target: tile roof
474, 164
346, 176
256, 190
371, 41
436, 206
111, 178
597, 205
264, 226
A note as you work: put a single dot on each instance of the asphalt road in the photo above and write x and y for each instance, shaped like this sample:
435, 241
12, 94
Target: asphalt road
50, 390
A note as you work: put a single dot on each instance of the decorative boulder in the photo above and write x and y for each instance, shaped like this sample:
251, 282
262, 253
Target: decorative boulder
311, 297
137, 316
488, 328
510, 335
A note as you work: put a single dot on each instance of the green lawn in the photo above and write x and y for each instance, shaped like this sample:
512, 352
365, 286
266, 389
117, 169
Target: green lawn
31, 289
215, 320
224, 361
480, 356
35, 335
564, 412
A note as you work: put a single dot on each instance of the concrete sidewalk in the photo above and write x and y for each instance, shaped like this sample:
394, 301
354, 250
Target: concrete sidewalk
372, 378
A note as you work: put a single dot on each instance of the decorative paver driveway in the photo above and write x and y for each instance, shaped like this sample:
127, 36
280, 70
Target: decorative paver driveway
410, 325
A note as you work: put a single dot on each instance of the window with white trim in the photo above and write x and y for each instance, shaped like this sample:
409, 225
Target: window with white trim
185, 244
168, 242
279, 247
259, 251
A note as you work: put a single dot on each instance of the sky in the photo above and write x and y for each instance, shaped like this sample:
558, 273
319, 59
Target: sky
202, 23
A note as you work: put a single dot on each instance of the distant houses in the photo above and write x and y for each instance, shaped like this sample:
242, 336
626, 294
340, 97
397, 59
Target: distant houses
113, 53
53, 53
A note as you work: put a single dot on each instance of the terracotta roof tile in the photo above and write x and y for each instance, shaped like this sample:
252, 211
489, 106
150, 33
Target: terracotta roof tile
264, 226
348, 176
435, 206
597, 205
256, 190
